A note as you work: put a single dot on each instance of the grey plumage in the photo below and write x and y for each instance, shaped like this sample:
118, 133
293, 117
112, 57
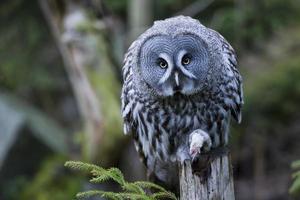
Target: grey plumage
179, 77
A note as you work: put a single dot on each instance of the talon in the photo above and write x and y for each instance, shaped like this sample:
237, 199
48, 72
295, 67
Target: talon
194, 152
199, 142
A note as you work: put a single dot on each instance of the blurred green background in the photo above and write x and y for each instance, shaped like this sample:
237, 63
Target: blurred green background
60, 80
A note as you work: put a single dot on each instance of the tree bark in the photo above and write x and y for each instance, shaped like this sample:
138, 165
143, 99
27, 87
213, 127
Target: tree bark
214, 185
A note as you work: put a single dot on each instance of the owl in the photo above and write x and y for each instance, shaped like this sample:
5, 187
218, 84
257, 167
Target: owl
181, 87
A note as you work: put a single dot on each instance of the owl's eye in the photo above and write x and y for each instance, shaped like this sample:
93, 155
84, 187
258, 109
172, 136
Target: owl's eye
186, 59
162, 63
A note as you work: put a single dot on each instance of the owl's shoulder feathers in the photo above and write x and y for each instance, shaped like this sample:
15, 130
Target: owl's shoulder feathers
234, 86
127, 89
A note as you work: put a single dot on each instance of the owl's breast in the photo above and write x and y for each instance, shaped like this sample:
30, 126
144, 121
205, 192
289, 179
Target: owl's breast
161, 126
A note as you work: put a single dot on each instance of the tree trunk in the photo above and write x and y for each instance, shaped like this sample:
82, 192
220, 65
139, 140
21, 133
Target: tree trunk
80, 38
217, 184
140, 15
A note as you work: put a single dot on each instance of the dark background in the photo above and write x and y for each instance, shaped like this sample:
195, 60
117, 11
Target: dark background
60, 80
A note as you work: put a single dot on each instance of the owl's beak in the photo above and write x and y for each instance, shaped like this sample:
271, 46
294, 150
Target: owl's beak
176, 87
176, 79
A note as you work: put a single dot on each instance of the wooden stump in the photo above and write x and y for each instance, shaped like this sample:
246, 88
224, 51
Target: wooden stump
214, 185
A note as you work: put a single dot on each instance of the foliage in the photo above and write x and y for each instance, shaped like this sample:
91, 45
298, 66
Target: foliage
134, 191
295, 188
274, 86
19, 114
251, 21
27, 54
256, 26
117, 6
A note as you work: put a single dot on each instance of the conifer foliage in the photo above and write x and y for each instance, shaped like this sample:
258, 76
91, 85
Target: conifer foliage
133, 191
295, 188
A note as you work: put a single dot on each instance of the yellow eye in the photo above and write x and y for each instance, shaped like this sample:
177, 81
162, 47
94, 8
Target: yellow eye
163, 64
185, 60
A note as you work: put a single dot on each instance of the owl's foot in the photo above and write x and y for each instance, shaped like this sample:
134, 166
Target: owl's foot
200, 142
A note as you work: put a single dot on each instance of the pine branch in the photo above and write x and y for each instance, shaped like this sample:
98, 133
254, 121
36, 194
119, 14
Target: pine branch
133, 191
295, 188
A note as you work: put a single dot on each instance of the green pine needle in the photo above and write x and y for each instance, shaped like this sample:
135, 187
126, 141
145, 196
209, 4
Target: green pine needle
132, 191
77, 165
132, 187
296, 164
295, 188
149, 185
88, 194
296, 175
110, 195
164, 195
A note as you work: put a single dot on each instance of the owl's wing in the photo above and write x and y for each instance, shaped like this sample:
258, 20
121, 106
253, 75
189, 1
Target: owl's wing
127, 96
234, 89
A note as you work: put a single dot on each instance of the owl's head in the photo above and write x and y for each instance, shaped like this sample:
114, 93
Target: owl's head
174, 64
174, 56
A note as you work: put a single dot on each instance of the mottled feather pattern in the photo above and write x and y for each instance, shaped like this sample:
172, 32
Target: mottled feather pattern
161, 126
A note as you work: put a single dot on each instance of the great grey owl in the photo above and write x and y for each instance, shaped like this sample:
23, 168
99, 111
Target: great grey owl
181, 86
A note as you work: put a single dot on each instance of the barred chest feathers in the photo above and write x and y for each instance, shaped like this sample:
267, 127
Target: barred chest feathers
163, 125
